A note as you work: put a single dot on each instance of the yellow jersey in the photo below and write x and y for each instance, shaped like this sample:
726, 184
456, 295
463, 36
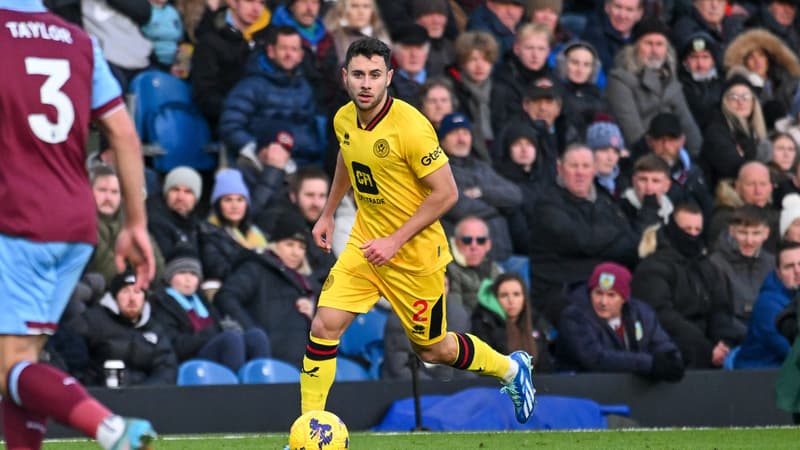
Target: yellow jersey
386, 161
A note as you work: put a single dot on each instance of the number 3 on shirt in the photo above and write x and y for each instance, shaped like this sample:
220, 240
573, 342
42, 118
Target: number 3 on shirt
57, 72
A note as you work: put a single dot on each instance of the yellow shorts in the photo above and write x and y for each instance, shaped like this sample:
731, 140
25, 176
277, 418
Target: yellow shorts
355, 285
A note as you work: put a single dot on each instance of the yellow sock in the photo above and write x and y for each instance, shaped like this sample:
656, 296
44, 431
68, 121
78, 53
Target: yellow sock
476, 356
316, 376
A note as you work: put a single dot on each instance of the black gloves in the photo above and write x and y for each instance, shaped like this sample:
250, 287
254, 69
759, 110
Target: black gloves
667, 366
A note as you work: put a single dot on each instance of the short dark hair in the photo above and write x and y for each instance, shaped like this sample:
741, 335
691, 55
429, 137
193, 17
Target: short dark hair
687, 207
651, 163
302, 174
99, 171
783, 246
280, 30
369, 47
749, 216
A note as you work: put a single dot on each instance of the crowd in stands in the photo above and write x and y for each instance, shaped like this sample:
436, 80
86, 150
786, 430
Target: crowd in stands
640, 155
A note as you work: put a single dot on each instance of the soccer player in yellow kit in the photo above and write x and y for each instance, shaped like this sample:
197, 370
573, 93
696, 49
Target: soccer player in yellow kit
390, 156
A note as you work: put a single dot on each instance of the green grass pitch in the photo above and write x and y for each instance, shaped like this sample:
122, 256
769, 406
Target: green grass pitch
695, 439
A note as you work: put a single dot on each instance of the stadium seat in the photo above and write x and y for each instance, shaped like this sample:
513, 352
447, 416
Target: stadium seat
151, 89
520, 265
268, 370
349, 370
364, 339
196, 372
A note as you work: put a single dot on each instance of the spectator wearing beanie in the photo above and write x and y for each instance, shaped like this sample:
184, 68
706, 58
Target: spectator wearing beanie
265, 167
604, 329
789, 223
433, 16
699, 71
269, 292
194, 325
644, 82
174, 221
410, 53
122, 327
605, 140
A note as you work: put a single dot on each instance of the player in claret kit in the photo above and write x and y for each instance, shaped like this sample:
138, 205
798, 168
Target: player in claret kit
402, 182
53, 83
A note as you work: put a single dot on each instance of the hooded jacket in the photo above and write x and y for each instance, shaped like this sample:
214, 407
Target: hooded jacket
764, 346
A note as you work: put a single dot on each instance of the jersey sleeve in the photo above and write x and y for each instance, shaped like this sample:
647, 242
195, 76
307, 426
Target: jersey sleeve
422, 149
106, 92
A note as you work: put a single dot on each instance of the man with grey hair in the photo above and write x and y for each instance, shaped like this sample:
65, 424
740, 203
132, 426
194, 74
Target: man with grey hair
644, 83
471, 263
574, 227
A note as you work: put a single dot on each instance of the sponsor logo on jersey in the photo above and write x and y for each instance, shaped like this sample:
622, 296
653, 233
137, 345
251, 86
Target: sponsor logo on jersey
346, 140
431, 157
365, 183
328, 283
418, 329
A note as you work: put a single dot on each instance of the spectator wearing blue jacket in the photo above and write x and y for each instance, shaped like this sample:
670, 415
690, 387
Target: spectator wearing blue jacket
500, 18
605, 330
764, 346
275, 89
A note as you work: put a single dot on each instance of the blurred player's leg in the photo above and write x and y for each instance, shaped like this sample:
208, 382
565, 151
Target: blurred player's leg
22, 429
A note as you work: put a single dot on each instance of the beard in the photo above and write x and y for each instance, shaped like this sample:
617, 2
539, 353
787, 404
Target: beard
654, 63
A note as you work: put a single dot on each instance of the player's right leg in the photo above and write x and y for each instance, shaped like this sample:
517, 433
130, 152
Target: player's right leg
36, 280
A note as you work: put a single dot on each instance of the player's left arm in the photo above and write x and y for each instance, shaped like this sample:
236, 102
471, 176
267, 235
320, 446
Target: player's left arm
442, 197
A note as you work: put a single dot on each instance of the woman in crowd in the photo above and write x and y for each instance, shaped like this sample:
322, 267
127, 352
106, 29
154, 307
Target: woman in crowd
578, 67
351, 20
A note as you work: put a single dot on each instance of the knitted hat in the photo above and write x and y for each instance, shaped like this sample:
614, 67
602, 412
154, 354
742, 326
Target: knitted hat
695, 42
603, 135
649, 25
278, 133
665, 125
424, 7
735, 79
452, 122
609, 275
184, 176
229, 181
555, 5
183, 259
290, 226
121, 280
790, 212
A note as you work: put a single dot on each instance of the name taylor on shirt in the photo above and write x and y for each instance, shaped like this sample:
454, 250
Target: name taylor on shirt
39, 30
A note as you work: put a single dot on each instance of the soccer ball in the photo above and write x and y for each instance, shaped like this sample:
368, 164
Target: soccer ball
319, 430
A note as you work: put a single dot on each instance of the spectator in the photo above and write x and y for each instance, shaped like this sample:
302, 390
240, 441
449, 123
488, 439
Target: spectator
644, 82
220, 56
482, 192
121, 327
433, 16
265, 167
230, 206
604, 329
194, 325
410, 53
742, 260
784, 164
272, 292
504, 319
736, 132
164, 31
646, 202
772, 66
275, 89
350, 20
437, 100
611, 28
665, 139
108, 199
117, 30
578, 67
521, 166
320, 62
709, 17
500, 18
175, 221
308, 192
779, 18
698, 74
476, 54
548, 12
789, 223
524, 64
472, 265
752, 187
686, 290
574, 226
606, 141
764, 346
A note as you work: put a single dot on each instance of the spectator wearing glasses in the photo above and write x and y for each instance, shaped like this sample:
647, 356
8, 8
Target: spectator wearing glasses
471, 266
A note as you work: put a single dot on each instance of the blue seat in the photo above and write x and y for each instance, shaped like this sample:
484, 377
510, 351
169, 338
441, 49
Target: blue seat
268, 370
349, 370
196, 372
520, 265
150, 90
364, 339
